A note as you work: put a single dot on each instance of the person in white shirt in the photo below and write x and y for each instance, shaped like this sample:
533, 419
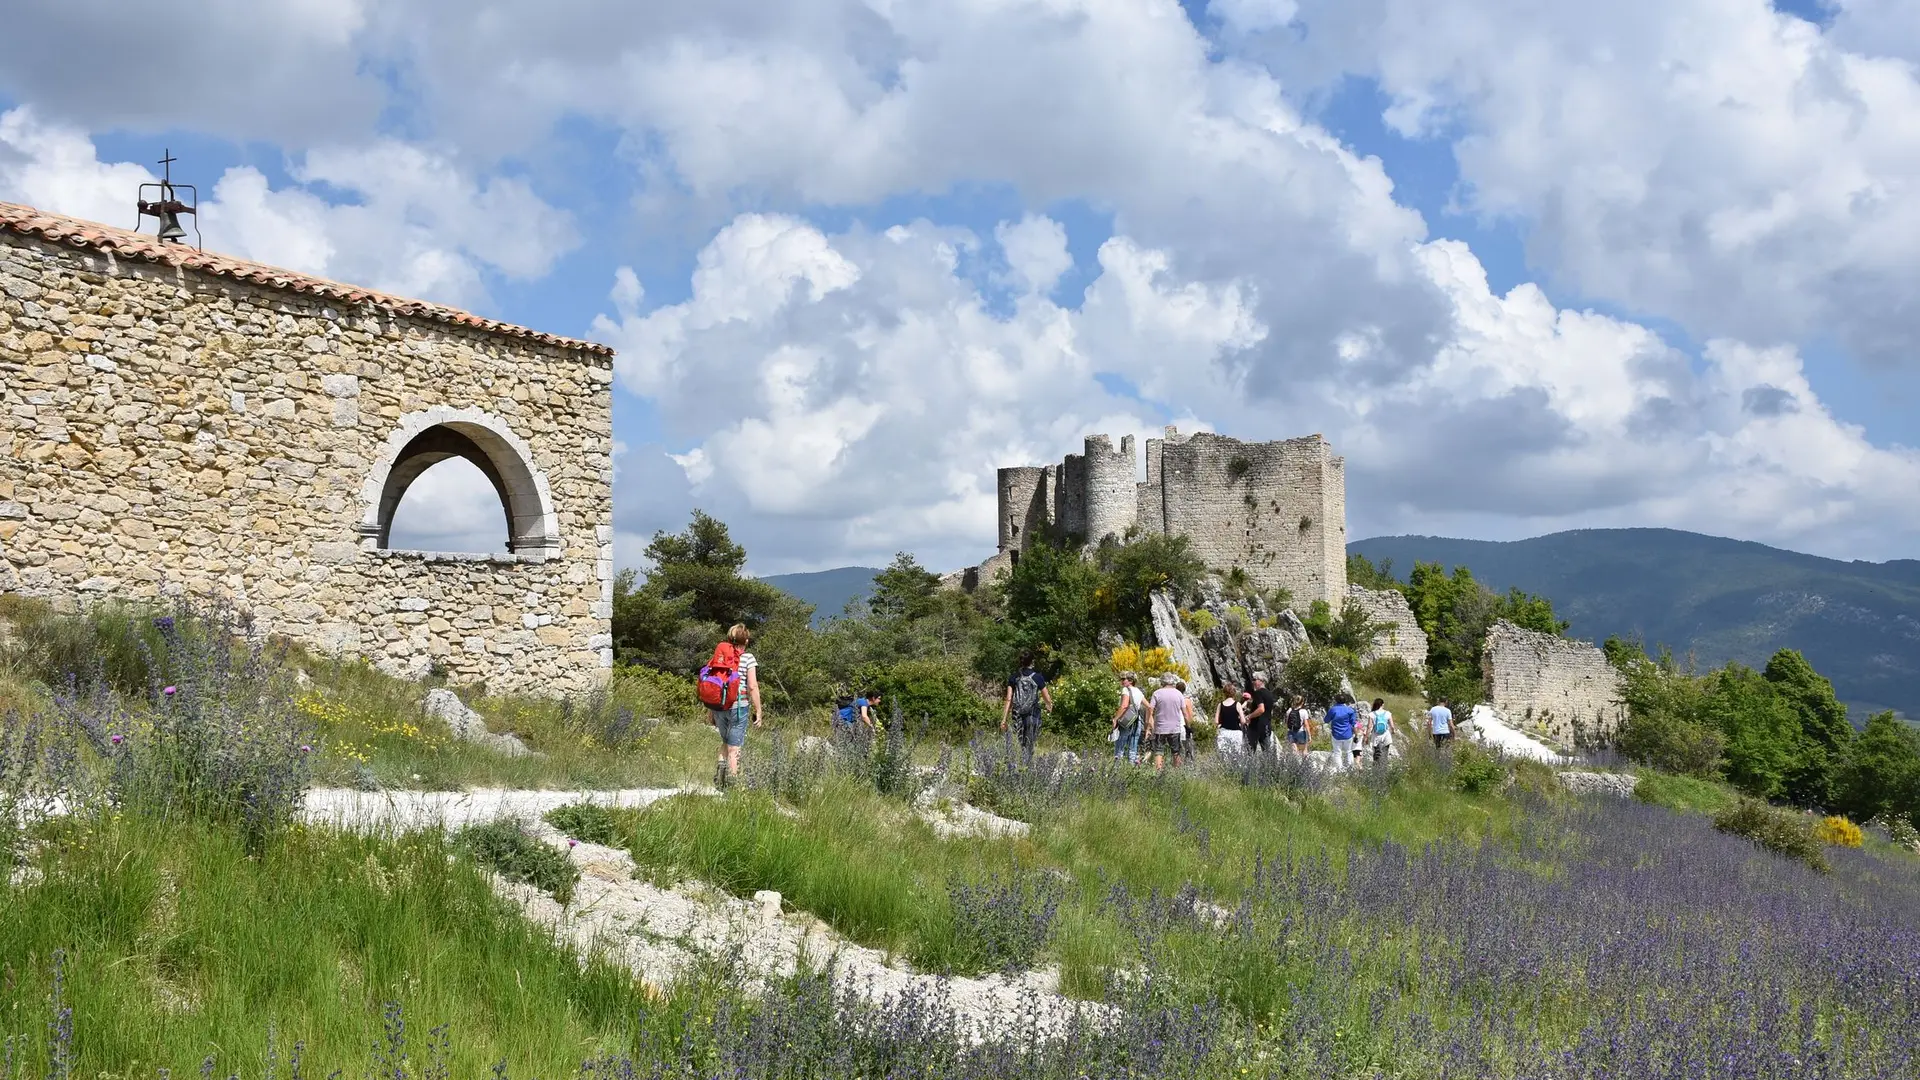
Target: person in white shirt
1128, 719
1380, 731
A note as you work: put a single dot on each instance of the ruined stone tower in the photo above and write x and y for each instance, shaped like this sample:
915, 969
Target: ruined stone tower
1277, 510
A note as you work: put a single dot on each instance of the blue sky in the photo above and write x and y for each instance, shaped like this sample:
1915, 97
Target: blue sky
1518, 270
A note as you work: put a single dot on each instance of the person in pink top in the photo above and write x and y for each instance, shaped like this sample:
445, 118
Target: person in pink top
1169, 707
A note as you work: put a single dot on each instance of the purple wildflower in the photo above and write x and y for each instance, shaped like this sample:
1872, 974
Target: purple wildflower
170, 691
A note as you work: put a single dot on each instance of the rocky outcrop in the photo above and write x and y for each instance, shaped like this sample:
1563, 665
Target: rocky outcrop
1619, 785
1222, 656
1172, 634
1269, 649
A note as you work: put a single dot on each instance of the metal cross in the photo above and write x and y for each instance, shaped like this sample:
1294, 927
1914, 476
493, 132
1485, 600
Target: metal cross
166, 164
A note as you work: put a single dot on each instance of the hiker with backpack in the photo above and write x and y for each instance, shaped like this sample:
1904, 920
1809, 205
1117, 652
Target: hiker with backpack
1381, 738
1128, 718
1299, 725
729, 687
1027, 695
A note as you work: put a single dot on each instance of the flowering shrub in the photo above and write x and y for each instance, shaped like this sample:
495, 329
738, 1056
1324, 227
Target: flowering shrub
221, 741
1839, 832
1148, 663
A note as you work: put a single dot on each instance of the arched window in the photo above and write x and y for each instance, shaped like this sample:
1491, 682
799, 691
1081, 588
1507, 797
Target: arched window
426, 439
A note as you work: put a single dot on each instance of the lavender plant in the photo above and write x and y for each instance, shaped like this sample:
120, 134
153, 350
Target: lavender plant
220, 738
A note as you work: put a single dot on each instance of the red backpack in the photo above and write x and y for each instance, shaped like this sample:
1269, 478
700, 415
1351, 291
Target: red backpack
719, 683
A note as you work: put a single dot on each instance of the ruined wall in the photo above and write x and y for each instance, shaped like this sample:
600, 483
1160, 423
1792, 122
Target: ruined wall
1112, 487
1149, 510
178, 428
1404, 639
1564, 689
1070, 501
1023, 505
1276, 509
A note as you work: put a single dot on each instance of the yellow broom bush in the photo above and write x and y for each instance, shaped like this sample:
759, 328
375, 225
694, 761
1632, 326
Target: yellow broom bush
1838, 831
1149, 664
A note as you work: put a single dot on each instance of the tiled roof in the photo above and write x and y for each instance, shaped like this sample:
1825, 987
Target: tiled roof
124, 244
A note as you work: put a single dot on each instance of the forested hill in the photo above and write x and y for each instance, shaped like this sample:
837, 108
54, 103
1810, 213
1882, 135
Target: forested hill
828, 591
1857, 622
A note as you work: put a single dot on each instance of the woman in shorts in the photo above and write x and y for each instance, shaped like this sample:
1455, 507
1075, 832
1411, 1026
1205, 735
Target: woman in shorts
1299, 725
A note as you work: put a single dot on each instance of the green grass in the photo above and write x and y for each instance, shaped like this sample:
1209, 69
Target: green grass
1684, 793
178, 945
877, 874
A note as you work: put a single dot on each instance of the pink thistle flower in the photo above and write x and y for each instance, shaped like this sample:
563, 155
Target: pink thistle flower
305, 749
116, 740
170, 691
572, 843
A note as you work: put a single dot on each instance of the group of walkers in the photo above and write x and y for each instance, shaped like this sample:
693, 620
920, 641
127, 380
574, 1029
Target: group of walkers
1158, 725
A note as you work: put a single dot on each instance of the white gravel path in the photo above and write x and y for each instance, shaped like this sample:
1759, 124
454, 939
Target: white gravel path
1490, 729
659, 933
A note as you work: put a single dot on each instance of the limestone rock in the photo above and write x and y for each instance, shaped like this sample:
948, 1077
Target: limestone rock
1222, 657
469, 726
1172, 634
1269, 649
766, 904
1619, 785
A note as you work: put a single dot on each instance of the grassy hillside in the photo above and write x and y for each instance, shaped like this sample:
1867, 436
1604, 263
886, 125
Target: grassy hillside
1449, 915
1719, 599
829, 591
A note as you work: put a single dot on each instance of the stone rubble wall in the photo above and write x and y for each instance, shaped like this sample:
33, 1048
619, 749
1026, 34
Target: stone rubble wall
1542, 682
169, 430
1404, 639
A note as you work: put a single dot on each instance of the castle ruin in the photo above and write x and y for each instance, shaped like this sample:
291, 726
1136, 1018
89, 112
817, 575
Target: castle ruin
183, 422
1552, 686
1275, 510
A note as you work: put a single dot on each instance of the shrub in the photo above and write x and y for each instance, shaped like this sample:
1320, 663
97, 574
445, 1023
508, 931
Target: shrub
652, 693
1475, 771
935, 697
1083, 703
1778, 831
510, 850
1148, 663
585, 821
1390, 674
1838, 831
1315, 672
1198, 621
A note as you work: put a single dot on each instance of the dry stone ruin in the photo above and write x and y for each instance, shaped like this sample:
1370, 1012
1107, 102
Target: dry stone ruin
183, 422
1552, 686
1275, 510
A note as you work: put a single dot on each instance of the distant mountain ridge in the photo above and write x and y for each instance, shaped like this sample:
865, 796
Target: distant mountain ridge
829, 591
1718, 599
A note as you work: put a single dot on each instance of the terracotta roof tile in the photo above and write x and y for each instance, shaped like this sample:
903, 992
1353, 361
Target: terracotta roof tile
125, 244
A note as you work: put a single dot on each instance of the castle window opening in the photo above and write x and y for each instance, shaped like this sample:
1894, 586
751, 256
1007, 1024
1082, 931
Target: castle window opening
475, 457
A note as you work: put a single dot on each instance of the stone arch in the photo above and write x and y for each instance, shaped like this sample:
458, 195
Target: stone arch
425, 439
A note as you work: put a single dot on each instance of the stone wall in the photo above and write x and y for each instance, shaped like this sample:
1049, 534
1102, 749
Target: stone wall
1112, 487
1274, 509
1550, 685
1023, 494
177, 422
1403, 639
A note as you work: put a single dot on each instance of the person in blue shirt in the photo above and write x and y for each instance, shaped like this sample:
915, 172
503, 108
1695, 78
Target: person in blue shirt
1441, 719
1341, 720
